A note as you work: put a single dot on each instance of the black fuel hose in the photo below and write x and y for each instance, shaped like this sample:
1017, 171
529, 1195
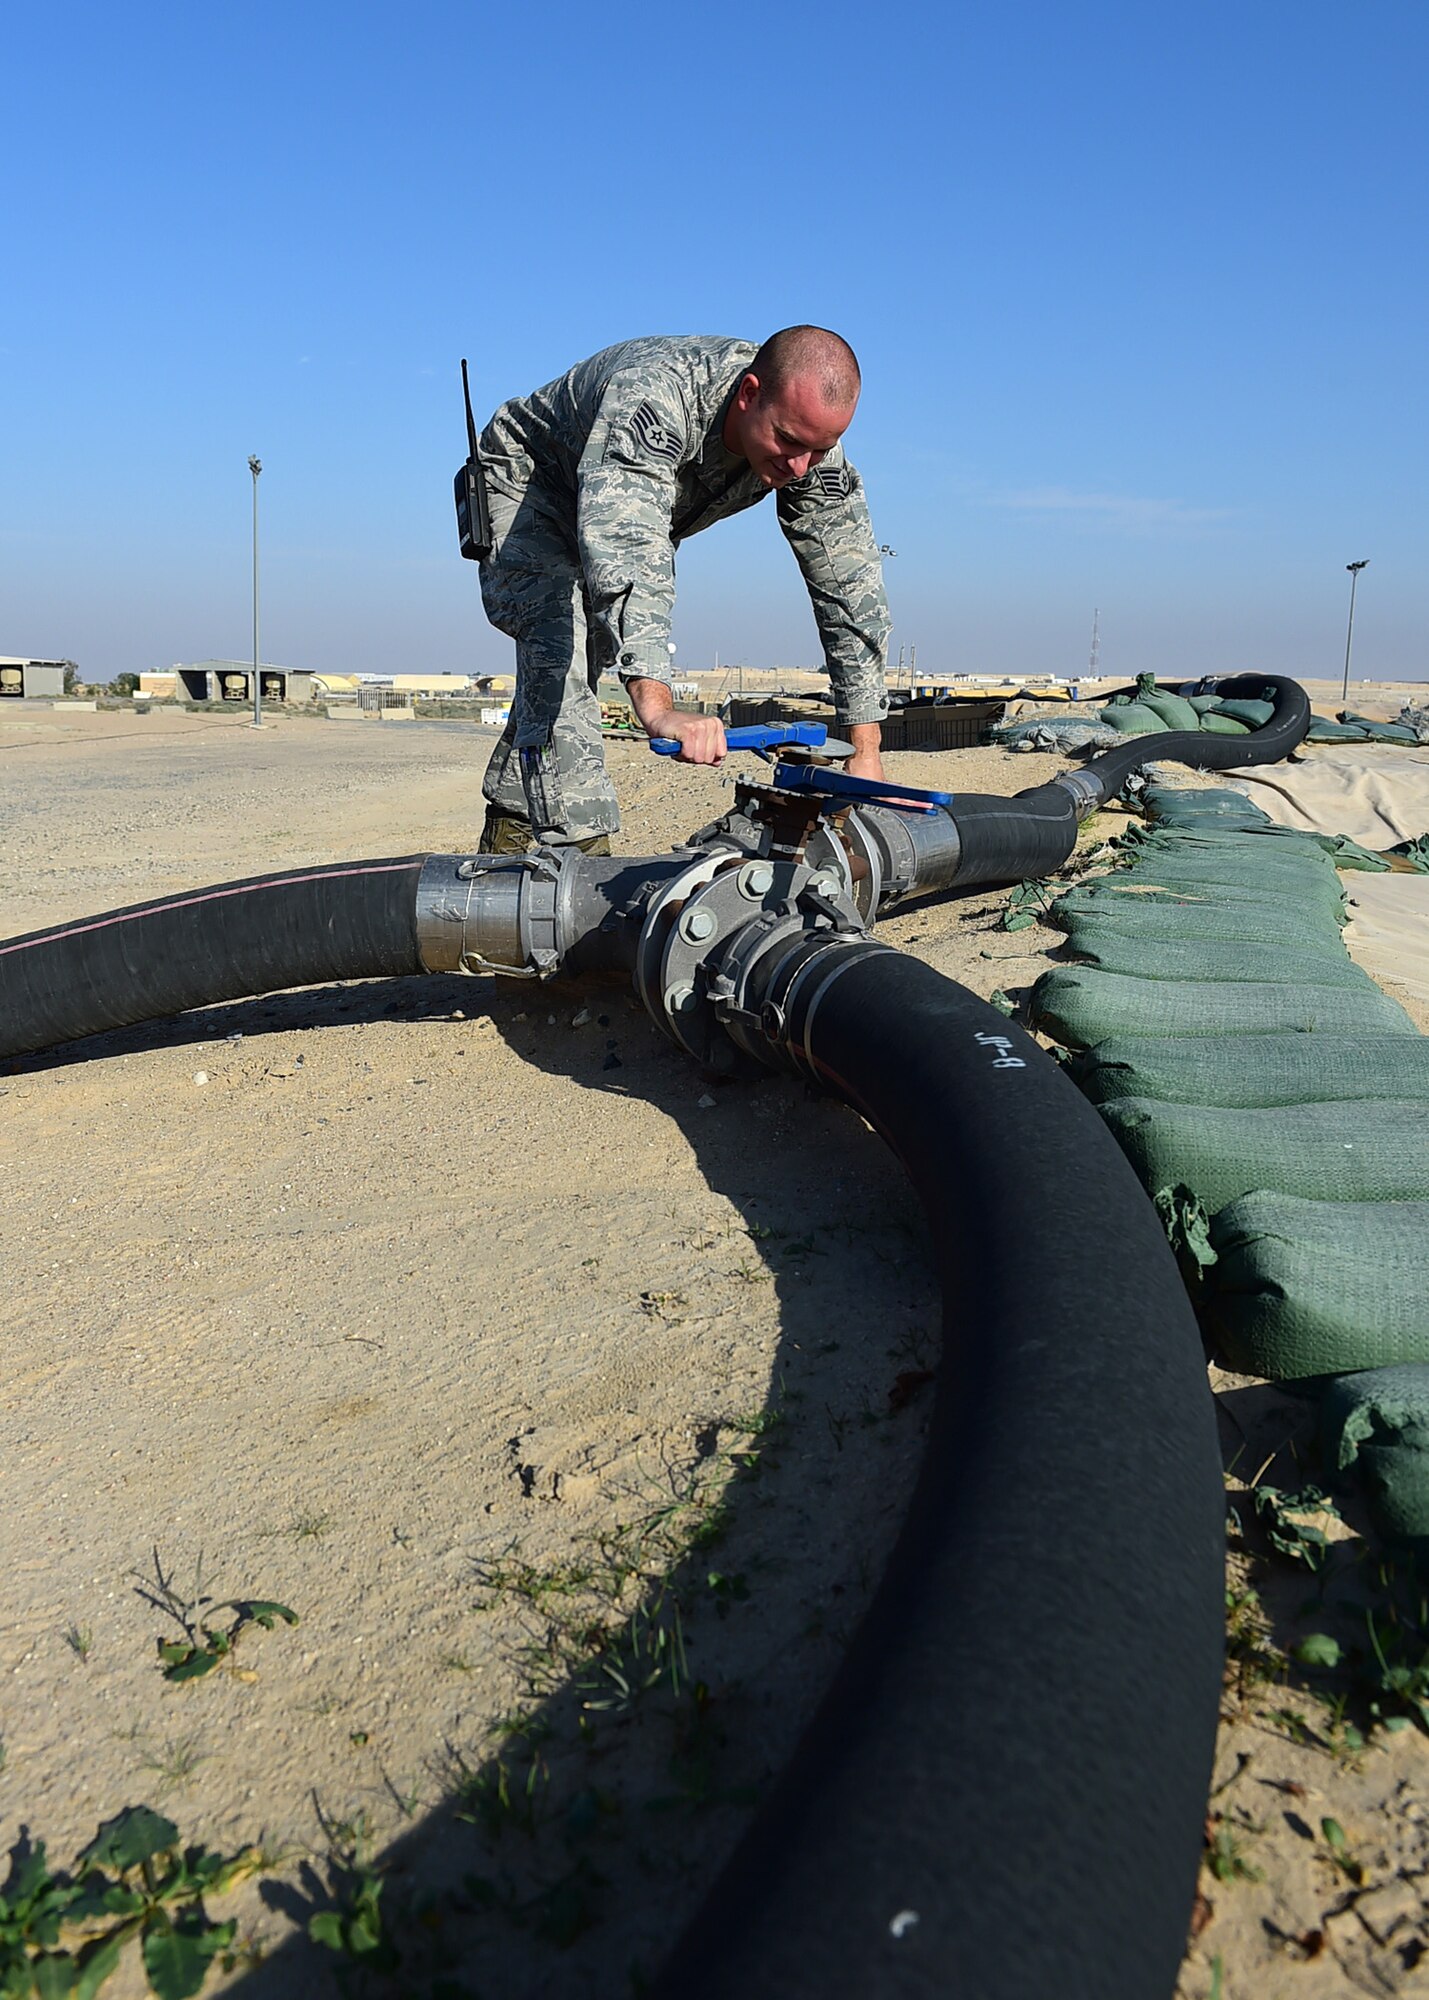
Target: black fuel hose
354, 920
1002, 1794
1275, 739
981, 839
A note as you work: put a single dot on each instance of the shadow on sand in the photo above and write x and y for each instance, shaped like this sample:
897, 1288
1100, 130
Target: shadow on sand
669, 1684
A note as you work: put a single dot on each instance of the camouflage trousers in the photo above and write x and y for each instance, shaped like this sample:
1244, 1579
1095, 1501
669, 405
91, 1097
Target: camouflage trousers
549, 767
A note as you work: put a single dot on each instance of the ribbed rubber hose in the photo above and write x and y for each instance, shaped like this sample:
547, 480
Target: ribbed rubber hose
1002, 1794
1275, 739
355, 920
1013, 840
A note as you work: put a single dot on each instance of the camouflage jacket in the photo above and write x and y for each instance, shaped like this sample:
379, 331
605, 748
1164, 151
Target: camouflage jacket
625, 454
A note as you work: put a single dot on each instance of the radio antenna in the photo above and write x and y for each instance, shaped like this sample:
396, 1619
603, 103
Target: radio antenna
470, 419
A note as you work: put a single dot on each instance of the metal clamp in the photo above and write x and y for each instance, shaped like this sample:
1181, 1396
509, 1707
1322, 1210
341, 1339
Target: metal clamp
491, 913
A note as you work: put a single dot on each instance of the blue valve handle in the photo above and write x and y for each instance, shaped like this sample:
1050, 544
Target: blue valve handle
838, 784
757, 736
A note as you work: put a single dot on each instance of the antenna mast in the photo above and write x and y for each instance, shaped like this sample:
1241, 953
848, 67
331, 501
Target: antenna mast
1096, 645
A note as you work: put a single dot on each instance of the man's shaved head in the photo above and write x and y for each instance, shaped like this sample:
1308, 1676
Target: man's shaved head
793, 404
809, 354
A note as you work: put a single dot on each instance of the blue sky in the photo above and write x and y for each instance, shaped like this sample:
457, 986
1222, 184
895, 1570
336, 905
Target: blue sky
1139, 294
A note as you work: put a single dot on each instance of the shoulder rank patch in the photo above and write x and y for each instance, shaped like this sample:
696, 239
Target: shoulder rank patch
834, 480
653, 434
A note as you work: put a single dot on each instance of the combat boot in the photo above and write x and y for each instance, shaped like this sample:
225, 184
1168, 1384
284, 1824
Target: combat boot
505, 833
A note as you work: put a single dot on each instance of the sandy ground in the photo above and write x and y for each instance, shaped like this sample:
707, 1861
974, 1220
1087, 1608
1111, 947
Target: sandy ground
470, 1322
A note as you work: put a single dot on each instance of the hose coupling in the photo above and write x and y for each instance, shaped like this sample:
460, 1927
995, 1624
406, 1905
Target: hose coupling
706, 927
1087, 793
496, 912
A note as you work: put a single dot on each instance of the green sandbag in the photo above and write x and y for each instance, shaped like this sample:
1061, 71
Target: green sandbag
1347, 853
1315, 1287
1367, 1151
1131, 718
1209, 923
1242, 852
1255, 714
1223, 854
1322, 731
1254, 1071
1203, 703
1078, 1006
1313, 889
1123, 899
1252, 847
1379, 732
1177, 805
1213, 723
1174, 709
1378, 1425
1204, 959
1415, 852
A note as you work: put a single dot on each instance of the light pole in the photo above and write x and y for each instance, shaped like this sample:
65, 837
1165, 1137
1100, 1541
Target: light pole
255, 466
1354, 570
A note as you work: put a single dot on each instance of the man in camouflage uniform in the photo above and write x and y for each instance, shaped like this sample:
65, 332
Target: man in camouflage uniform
593, 481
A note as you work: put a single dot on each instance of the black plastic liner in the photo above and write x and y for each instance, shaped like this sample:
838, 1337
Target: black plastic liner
356, 920
1002, 1794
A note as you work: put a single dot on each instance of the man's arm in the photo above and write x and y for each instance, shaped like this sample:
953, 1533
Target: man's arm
825, 521
624, 508
625, 502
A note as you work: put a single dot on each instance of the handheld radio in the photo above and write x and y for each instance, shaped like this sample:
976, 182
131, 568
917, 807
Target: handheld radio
473, 522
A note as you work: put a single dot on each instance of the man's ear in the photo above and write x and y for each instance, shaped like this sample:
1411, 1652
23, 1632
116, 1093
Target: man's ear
747, 394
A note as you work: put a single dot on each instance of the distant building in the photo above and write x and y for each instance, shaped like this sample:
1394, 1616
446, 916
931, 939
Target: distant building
232, 680
22, 680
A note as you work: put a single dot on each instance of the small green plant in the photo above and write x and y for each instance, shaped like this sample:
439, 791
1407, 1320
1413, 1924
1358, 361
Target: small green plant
1338, 1844
645, 1651
64, 1931
495, 1795
1025, 905
1289, 1523
1401, 1681
1249, 1659
80, 1640
174, 1762
1225, 1852
664, 1305
203, 1646
755, 1423
309, 1526
353, 1925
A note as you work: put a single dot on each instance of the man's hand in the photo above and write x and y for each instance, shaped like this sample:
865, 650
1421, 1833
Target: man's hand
700, 737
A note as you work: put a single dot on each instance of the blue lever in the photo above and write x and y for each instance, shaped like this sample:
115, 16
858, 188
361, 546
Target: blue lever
838, 784
758, 736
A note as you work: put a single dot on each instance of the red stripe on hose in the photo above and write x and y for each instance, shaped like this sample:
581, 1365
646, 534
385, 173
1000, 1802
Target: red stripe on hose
208, 896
